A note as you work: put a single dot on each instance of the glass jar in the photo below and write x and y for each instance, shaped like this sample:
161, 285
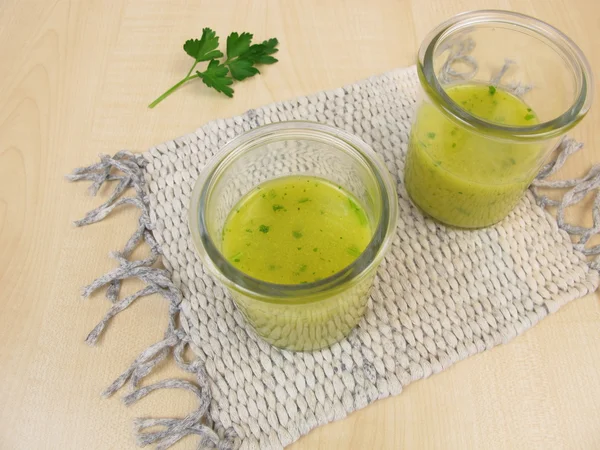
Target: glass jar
498, 91
295, 316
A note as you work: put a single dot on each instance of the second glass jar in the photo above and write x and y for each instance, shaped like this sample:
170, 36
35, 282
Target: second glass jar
498, 91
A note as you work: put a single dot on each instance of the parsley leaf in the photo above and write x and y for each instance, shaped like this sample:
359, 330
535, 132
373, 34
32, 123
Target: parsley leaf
203, 49
259, 53
242, 56
215, 76
237, 44
241, 69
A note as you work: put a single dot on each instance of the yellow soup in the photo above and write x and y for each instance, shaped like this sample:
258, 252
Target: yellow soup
295, 230
465, 178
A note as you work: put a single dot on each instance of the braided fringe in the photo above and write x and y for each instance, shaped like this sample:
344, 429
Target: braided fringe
127, 169
578, 189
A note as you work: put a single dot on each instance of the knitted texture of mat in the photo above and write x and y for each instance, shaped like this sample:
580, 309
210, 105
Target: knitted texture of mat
440, 295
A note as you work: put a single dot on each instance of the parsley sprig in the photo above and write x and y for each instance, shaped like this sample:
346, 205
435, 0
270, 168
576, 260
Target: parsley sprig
242, 56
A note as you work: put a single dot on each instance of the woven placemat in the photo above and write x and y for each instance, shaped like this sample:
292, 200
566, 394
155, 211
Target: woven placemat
440, 295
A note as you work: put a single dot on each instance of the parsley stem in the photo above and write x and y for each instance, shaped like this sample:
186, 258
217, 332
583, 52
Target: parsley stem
192, 69
173, 88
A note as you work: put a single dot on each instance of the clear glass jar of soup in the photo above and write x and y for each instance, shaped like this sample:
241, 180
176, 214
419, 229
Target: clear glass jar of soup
294, 219
498, 91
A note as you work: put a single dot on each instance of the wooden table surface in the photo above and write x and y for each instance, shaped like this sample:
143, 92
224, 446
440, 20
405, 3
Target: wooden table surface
75, 81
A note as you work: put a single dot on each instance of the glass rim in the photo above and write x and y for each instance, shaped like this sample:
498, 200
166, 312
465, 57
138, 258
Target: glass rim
293, 293
564, 45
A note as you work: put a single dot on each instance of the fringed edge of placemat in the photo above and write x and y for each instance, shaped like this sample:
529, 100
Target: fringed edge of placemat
158, 280
579, 188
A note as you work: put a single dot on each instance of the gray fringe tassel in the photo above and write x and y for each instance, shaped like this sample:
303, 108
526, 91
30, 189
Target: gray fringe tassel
129, 174
579, 188
460, 52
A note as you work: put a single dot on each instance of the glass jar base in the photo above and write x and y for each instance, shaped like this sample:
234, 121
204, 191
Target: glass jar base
307, 326
450, 223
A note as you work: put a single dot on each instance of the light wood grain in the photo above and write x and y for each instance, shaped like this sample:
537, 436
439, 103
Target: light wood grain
75, 80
